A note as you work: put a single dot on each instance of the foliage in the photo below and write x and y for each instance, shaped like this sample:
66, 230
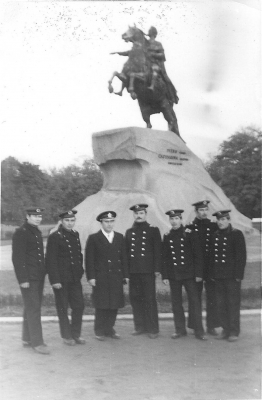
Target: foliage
237, 170
25, 184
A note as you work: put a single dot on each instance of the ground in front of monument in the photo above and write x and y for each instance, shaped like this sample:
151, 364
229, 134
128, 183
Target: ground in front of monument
133, 368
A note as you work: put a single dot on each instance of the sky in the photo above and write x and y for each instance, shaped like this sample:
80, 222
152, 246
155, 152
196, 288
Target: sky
56, 65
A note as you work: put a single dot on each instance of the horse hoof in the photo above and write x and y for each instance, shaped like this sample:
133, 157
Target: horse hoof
133, 95
110, 88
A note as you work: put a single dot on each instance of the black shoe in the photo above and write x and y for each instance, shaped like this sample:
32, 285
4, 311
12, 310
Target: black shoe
139, 332
153, 335
26, 344
79, 340
69, 342
232, 338
115, 336
200, 336
178, 335
101, 338
41, 349
222, 336
212, 332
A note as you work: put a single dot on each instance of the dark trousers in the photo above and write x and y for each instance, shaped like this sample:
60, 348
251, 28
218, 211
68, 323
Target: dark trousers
228, 304
32, 327
142, 293
177, 306
104, 321
212, 320
70, 294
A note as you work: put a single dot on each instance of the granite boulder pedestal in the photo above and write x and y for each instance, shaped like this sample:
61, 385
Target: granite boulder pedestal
143, 165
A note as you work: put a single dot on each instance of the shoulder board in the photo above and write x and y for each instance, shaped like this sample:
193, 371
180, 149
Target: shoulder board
166, 233
152, 226
188, 230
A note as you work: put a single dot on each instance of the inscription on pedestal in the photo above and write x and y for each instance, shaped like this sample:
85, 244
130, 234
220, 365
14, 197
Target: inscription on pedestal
174, 157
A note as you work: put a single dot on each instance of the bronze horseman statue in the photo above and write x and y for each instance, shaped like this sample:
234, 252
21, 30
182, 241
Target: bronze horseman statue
145, 78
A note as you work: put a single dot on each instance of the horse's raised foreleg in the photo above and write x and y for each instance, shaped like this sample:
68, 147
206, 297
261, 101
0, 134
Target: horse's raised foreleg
122, 78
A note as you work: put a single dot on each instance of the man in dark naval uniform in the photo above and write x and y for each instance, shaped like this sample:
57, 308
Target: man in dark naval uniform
228, 261
183, 266
29, 265
106, 271
143, 243
64, 262
204, 229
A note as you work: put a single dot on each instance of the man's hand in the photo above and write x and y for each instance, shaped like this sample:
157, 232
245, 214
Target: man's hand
92, 282
25, 285
165, 281
198, 279
114, 52
57, 286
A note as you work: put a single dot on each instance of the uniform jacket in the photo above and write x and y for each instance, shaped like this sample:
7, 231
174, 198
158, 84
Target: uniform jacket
143, 243
228, 254
64, 260
204, 228
182, 255
106, 262
28, 254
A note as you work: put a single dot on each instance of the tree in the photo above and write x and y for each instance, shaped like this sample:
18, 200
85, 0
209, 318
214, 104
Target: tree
237, 170
23, 185
72, 184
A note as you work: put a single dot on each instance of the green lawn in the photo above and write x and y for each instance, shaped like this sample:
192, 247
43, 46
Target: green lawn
11, 302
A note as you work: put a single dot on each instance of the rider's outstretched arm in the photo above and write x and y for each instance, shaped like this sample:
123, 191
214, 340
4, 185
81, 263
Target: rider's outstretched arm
121, 53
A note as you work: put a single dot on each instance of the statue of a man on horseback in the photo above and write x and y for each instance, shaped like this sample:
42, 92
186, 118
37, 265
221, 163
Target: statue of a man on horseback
145, 78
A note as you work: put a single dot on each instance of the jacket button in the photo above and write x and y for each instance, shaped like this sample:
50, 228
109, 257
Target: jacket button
182, 263
182, 251
182, 245
142, 255
216, 260
182, 257
143, 237
144, 232
109, 260
132, 255
175, 263
132, 250
223, 260
133, 233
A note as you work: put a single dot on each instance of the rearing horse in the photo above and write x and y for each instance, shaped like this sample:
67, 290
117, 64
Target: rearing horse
136, 77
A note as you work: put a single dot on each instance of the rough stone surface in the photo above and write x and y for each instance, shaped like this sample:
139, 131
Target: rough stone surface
148, 166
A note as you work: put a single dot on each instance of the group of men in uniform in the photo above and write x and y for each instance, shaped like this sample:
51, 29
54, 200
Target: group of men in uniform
201, 254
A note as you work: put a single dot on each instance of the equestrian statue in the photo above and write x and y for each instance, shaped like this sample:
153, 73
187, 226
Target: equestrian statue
145, 78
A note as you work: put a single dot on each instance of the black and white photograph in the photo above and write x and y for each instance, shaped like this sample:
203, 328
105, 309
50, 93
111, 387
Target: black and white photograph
130, 200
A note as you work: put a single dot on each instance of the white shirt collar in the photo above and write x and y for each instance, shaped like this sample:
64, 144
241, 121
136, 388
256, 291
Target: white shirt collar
109, 236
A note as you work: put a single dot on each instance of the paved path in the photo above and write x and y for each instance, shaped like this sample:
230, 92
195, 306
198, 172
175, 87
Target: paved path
133, 368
